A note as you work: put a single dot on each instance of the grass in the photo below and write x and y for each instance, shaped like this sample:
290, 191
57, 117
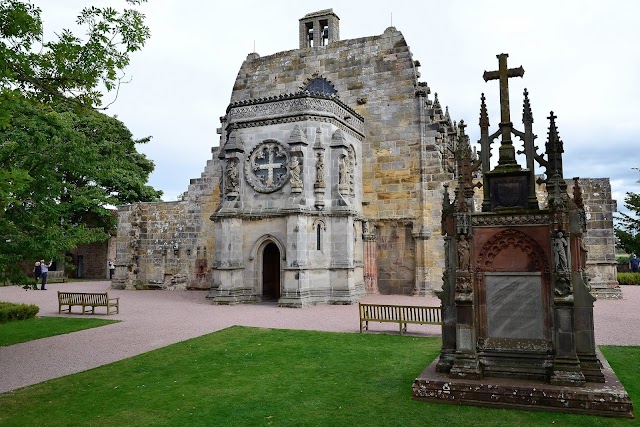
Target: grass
261, 377
18, 331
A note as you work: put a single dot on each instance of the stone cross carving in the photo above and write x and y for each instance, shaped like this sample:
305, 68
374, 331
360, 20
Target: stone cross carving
507, 153
270, 165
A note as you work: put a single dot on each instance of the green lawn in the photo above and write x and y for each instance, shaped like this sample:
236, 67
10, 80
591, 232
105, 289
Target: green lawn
41, 327
260, 377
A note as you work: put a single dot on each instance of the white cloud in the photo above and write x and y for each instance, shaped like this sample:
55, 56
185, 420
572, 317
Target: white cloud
579, 58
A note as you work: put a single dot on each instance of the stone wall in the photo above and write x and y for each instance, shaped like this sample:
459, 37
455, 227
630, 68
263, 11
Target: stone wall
402, 167
94, 261
600, 237
168, 245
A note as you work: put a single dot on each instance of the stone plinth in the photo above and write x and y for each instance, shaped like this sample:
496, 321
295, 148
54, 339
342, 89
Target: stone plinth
607, 399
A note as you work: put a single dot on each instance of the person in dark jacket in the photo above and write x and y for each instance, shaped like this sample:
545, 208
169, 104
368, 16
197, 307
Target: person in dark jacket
37, 271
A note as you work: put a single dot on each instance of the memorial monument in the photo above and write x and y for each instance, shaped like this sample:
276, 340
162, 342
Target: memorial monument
518, 314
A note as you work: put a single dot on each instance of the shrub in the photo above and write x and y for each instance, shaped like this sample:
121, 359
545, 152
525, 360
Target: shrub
622, 259
10, 311
629, 278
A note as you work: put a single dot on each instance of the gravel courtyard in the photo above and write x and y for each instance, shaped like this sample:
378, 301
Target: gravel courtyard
154, 319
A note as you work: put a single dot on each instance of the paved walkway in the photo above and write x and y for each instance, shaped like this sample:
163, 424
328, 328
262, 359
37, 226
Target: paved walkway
154, 319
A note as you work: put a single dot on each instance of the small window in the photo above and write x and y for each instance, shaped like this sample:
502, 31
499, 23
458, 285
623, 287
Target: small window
318, 237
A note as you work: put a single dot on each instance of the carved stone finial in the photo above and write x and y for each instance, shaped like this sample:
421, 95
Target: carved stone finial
297, 136
318, 141
577, 193
462, 127
436, 102
484, 116
527, 115
554, 148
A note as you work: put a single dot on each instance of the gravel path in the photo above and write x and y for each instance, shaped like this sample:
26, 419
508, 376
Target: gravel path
154, 319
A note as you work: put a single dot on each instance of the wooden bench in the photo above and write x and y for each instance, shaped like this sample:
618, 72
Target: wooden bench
57, 276
87, 299
401, 314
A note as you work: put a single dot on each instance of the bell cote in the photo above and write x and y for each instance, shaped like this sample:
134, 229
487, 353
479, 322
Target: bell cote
318, 29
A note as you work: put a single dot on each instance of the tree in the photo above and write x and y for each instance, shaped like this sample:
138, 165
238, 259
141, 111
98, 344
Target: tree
68, 68
62, 163
628, 228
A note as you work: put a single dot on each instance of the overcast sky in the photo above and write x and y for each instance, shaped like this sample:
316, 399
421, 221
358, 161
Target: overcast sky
581, 61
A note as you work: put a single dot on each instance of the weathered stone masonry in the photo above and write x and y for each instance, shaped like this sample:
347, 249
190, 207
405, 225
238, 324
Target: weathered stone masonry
404, 141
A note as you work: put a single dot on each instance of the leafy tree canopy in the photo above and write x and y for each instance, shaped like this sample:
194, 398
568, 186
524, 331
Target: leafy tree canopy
62, 163
628, 228
69, 67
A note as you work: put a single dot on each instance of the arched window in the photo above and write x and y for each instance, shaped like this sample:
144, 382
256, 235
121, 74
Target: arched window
321, 85
318, 237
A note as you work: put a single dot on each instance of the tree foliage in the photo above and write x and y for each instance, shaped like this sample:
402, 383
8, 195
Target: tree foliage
628, 228
62, 163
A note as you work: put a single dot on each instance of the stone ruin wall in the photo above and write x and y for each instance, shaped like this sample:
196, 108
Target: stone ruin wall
169, 245
600, 237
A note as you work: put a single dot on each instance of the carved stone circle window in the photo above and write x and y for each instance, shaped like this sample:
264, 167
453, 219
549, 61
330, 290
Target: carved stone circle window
266, 167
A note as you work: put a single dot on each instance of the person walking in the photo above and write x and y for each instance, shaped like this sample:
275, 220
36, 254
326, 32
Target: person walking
634, 263
44, 271
37, 271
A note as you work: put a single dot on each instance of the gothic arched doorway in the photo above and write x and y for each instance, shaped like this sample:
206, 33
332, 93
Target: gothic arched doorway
271, 272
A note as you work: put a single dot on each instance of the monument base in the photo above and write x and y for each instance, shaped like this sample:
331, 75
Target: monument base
606, 399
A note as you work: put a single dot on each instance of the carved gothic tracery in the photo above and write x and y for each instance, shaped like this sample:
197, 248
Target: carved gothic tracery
267, 167
515, 238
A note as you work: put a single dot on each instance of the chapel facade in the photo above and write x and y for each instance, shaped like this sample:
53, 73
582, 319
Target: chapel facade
326, 183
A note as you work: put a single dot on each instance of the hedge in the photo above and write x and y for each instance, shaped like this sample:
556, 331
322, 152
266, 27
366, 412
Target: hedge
10, 311
629, 278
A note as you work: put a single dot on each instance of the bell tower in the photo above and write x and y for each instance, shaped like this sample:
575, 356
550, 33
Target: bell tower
319, 29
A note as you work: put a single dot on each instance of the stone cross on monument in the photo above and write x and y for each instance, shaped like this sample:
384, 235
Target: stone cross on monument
507, 153
269, 164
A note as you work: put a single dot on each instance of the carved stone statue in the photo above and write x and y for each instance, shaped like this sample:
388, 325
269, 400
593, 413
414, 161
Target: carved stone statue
320, 169
232, 181
344, 171
464, 255
296, 180
560, 247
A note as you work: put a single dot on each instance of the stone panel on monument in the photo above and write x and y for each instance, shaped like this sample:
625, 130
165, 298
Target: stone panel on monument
514, 305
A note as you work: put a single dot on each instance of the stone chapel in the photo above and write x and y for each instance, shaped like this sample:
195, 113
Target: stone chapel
326, 184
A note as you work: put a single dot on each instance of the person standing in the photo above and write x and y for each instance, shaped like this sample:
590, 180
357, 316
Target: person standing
112, 269
44, 271
634, 263
37, 271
